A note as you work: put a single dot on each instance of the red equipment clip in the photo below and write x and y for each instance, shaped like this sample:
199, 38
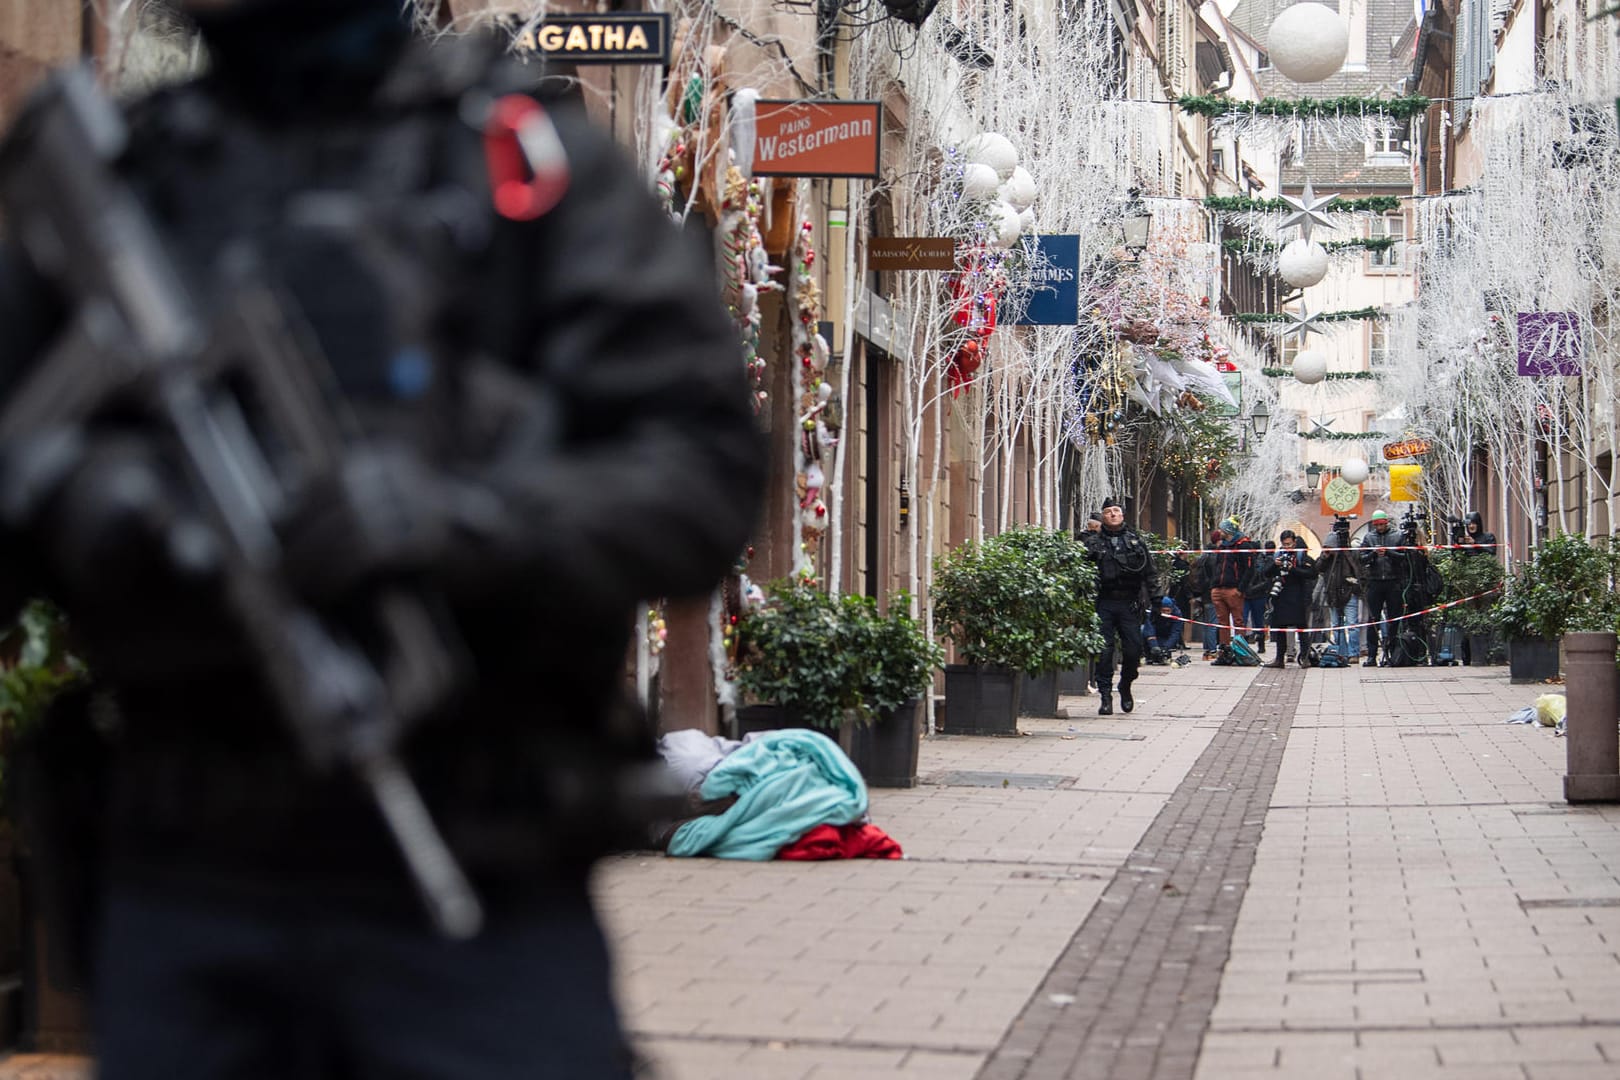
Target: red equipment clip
528, 168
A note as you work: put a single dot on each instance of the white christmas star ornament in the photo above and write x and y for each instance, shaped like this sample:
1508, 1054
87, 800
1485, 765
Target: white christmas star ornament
1303, 322
1307, 210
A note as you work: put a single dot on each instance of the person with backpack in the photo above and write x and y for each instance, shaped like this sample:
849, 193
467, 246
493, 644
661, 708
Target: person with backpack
1233, 563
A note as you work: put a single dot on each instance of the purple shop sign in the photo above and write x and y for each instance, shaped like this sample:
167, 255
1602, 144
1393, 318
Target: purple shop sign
1549, 343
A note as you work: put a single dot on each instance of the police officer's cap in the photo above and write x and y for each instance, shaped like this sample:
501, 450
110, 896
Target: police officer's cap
1111, 501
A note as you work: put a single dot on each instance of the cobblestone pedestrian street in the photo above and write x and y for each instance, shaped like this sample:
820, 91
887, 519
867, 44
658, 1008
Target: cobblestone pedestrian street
1356, 874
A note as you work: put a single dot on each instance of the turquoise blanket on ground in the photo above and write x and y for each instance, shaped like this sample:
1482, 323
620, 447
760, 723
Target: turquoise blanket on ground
786, 783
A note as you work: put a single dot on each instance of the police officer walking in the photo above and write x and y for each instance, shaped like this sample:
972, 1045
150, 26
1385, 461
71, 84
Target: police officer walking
1125, 578
254, 917
1385, 570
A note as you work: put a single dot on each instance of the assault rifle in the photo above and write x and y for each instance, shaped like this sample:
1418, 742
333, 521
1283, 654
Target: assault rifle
245, 396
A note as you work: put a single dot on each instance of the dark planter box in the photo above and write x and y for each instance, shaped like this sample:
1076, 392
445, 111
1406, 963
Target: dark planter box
1038, 695
1532, 660
54, 1018
1484, 649
756, 718
980, 700
886, 750
1074, 681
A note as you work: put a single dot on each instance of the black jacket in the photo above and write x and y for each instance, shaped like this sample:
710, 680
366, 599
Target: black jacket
647, 486
1233, 571
1291, 605
1379, 564
1482, 542
1125, 569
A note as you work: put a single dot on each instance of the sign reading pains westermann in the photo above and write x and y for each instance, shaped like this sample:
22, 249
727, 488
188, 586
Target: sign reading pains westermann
817, 138
600, 39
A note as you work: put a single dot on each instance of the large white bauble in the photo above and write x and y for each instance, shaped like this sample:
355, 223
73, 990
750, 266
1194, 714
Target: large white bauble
1308, 42
1019, 190
979, 181
1026, 220
1302, 263
994, 150
1310, 366
1353, 470
1004, 219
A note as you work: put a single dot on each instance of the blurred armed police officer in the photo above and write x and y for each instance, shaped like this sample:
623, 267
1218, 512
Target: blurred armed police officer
254, 919
1125, 579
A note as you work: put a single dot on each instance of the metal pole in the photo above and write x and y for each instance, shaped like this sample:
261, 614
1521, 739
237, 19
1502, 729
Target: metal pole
1592, 726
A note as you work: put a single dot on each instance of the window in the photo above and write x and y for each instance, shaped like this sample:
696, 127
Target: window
1381, 227
1217, 161
1388, 147
1377, 345
1291, 348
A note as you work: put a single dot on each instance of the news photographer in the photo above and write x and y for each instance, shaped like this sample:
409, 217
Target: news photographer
1385, 571
1471, 536
1292, 573
1340, 585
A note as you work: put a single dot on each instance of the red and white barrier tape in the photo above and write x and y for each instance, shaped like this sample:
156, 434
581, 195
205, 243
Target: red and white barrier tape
1348, 550
1327, 629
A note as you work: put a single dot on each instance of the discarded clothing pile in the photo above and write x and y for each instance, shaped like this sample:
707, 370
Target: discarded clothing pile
1548, 711
789, 794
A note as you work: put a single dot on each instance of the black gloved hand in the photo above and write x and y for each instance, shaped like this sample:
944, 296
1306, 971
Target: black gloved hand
384, 514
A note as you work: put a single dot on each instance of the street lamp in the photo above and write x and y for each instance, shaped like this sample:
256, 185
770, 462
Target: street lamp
1260, 417
1136, 223
1313, 476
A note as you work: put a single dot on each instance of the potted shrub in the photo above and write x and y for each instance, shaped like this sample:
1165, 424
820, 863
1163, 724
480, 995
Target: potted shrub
1471, 575
1019, 602
1056, 553
896, 662
793, 661
1569, 586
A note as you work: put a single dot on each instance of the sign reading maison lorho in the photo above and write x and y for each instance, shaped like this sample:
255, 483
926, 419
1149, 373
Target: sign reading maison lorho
817, 138
600, 39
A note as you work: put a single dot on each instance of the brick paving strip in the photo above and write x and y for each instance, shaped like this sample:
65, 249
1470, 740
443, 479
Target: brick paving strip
1131, 995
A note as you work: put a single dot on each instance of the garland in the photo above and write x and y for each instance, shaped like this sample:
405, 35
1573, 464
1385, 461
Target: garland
1241, 246
1288, 373
1243, 204
1399, 108
1325, 316
1347, 436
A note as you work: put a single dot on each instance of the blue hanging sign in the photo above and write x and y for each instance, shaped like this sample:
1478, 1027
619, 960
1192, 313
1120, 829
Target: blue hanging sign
1054, 281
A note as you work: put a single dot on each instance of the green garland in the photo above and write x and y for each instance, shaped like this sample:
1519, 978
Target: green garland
1399, 108
1347, 436
1288, 373
1324, 316
1240, 246
1242, 204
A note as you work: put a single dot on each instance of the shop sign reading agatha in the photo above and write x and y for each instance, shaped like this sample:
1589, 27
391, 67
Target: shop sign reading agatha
817, 138
600, 39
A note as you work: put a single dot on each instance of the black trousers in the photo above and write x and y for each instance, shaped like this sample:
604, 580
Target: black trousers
1384, 601
1121, 618
299, 987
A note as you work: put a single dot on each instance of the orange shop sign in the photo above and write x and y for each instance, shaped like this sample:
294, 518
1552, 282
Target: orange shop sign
817, 138
1405, 448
